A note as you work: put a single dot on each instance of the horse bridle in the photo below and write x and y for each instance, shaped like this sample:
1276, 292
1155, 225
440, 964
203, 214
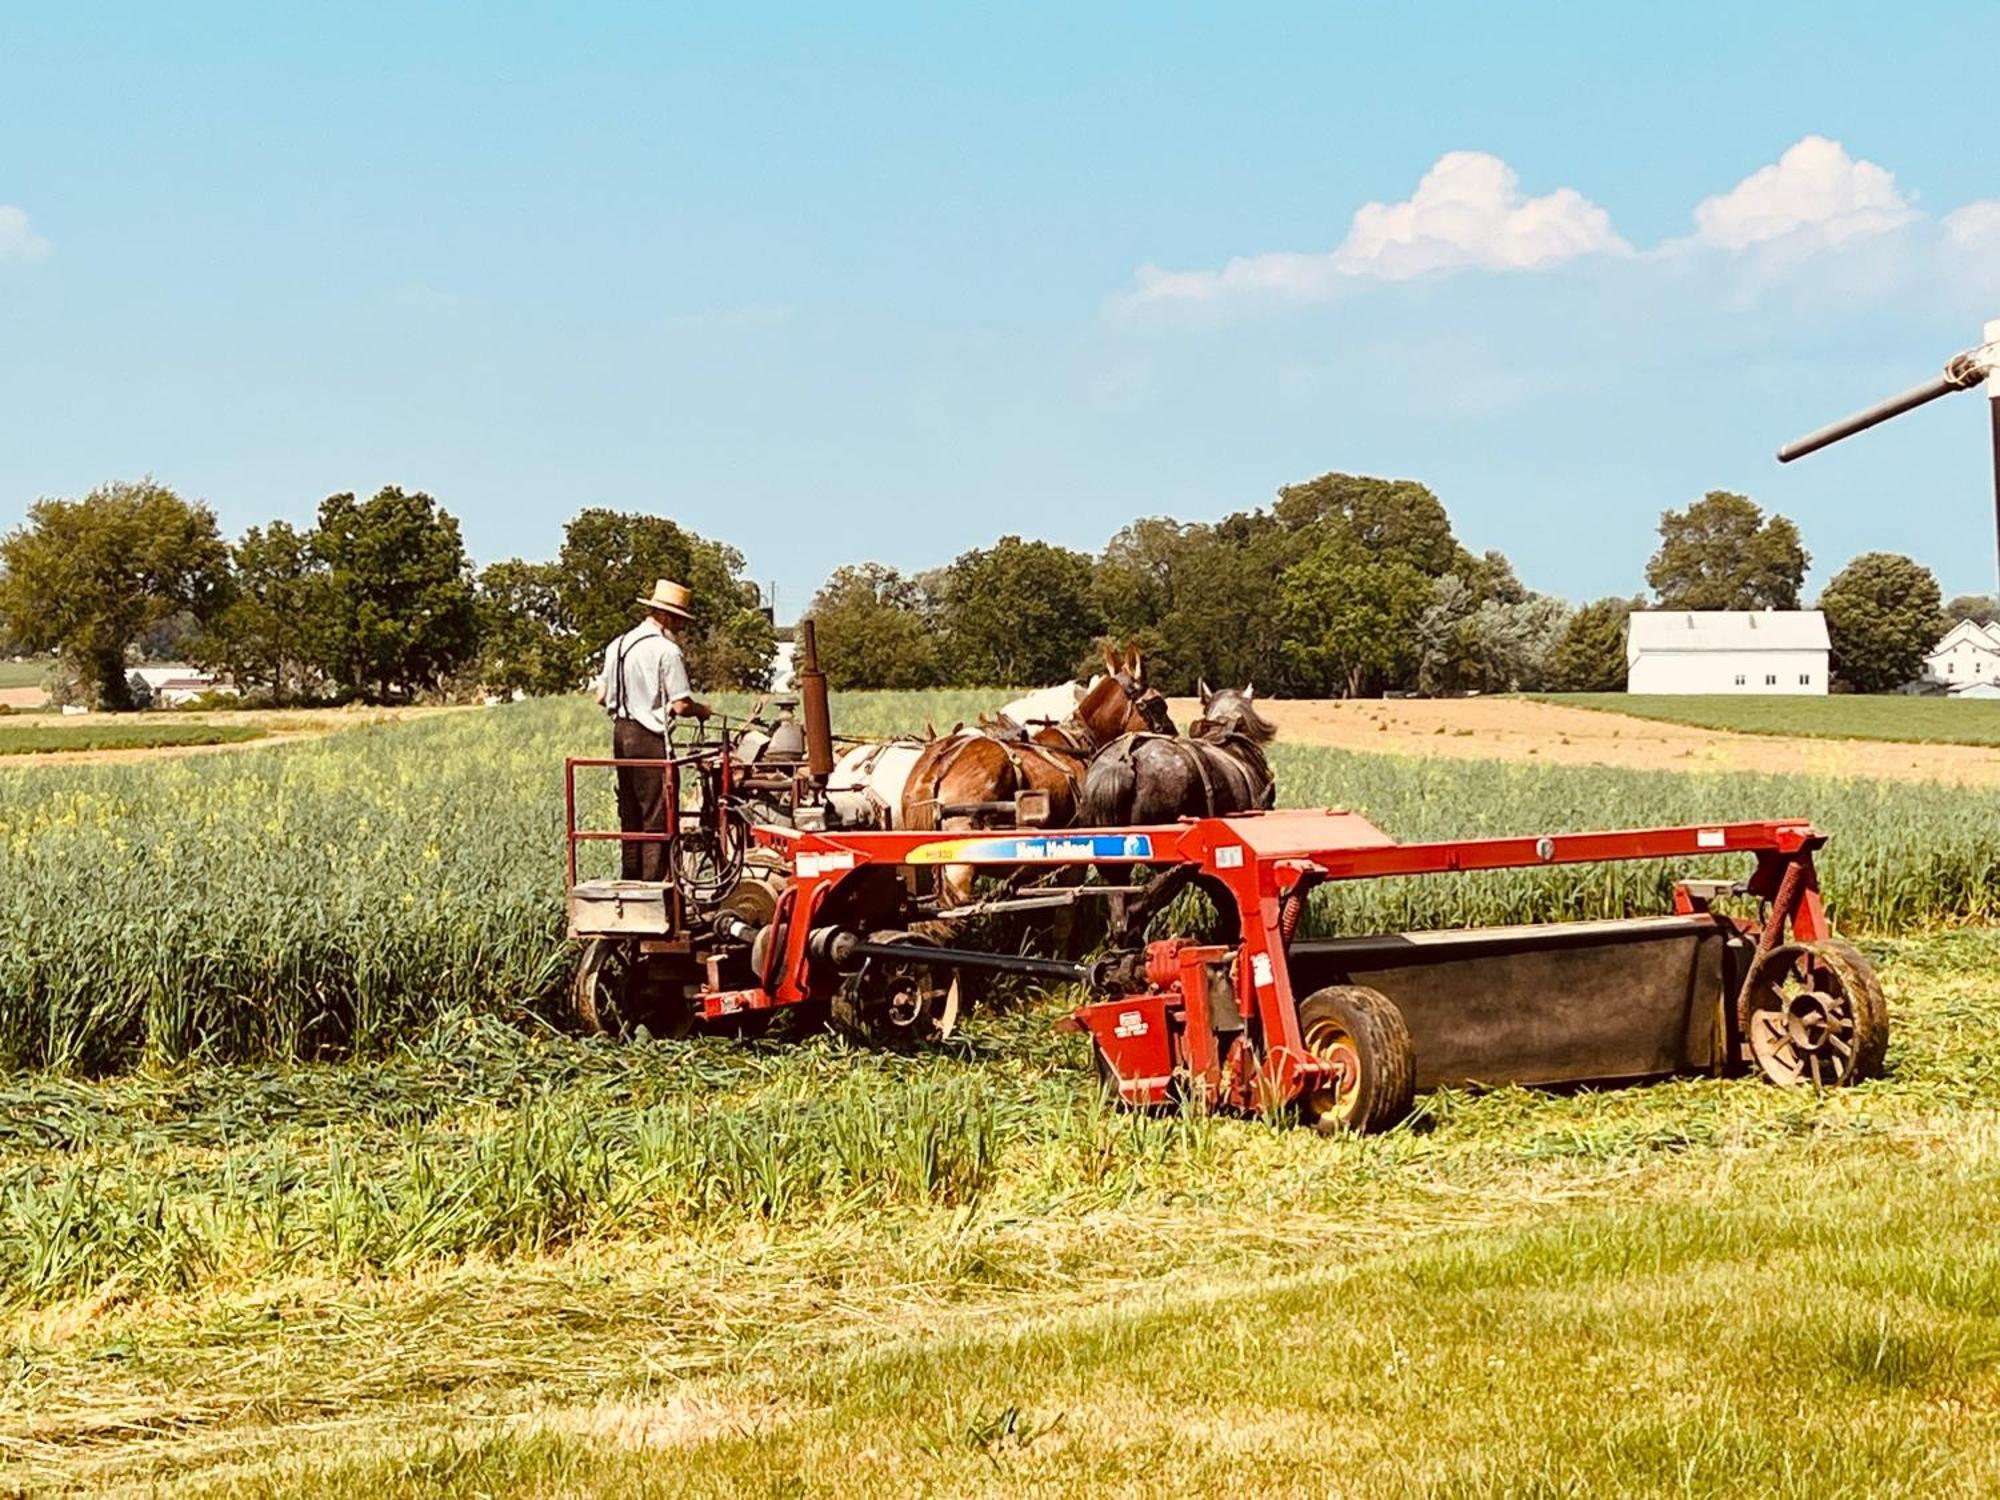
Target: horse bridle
1151, 704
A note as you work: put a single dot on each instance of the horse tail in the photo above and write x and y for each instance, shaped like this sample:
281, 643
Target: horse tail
1110, 788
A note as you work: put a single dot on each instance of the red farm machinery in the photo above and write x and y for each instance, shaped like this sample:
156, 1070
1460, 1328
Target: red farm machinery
773, 909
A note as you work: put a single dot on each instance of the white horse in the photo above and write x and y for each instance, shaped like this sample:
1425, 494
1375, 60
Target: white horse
866, 787
1049, 705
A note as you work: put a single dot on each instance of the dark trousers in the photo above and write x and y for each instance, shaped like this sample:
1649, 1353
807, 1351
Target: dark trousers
642, 797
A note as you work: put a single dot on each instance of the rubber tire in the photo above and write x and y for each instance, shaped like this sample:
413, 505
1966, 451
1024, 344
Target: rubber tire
1388, 1087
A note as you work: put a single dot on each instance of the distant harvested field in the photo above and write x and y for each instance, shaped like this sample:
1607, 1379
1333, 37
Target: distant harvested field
43, 736
1560, 732
1885, 716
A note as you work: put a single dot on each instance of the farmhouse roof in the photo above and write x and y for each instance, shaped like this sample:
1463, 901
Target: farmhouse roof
1726, 630
1980, 637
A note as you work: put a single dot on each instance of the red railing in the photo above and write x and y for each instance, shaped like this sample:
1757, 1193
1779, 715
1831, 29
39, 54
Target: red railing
670, 803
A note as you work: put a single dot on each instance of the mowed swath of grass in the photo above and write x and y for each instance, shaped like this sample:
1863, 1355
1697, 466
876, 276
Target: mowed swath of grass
479, 1267
1843, 716
321, 897
43, 735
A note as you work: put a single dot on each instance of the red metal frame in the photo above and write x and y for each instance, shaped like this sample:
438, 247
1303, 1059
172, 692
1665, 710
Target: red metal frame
1266, 862
1261, 859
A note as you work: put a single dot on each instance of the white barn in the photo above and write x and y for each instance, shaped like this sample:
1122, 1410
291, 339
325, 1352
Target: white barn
1726, 651
1967, 658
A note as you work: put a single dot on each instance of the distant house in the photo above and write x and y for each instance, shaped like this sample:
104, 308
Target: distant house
1966, 659
1726, 651
174, 683
781, 667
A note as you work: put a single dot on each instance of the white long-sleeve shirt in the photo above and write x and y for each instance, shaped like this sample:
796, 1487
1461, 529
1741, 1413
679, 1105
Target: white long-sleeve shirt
644, 675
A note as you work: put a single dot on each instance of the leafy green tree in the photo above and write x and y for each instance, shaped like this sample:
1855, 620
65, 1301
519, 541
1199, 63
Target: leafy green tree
1226, 624
524, 645
1445, 645
271, 636
611, 558
86, 578
1981, 609
1017, 613
872, 630
400, 611
1722, 553
1391, 518
1513, 643
1350, 615
1883, 616
1137, 572
1589, 655
1468, 643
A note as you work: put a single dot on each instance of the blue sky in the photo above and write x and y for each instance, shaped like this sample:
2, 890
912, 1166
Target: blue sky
836, 283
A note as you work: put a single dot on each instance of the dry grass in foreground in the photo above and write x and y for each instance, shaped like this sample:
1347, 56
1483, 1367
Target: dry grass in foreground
503, 1264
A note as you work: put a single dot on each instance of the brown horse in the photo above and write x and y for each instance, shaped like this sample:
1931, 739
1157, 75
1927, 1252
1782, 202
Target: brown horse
974, 778
1218, 768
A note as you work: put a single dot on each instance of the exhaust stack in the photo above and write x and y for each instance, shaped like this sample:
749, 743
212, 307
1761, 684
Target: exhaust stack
812, 698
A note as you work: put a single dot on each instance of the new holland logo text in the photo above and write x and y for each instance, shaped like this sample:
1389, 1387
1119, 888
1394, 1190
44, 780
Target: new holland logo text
1037, 850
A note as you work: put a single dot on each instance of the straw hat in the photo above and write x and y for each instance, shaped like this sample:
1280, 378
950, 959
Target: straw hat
671, 597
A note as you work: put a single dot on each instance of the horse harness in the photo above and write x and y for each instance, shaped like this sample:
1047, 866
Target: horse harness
1239, 748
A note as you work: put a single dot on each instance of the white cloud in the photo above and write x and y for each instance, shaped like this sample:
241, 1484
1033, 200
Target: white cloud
1977, 223
1468, 213
1814, 195
17, 240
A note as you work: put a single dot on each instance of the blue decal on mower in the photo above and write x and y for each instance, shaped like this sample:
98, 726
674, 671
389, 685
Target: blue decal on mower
1039, 849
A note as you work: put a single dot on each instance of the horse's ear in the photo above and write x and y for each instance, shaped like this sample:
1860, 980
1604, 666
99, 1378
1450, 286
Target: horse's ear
1250, 690
1201, 687
1138, 663
1110, 666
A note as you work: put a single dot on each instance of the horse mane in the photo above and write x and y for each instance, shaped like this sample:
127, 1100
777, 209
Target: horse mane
1239, 716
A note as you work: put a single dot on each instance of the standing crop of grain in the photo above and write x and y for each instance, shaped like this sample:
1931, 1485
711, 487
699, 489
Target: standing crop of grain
328, 896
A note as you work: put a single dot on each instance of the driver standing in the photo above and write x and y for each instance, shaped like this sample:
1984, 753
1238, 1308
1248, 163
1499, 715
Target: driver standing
644, 683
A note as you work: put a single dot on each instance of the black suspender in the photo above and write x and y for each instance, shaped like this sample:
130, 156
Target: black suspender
625, 644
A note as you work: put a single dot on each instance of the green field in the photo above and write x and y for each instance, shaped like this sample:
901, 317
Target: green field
486, 1257
108, 732
499, 1262
1943, 721
300, 900
19, 674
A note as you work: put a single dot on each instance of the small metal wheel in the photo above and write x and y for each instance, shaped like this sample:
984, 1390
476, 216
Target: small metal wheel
620, 992
1813, 1013
886, 1001
1361, 1033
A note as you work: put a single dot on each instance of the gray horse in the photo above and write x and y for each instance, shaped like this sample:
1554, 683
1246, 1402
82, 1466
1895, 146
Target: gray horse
1157, 778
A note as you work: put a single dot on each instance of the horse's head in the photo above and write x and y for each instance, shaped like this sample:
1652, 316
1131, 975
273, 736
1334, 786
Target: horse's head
1120, 702
1227, 711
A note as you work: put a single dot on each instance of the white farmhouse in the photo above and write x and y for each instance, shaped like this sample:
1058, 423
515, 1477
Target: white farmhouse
1726, 651
1967, 658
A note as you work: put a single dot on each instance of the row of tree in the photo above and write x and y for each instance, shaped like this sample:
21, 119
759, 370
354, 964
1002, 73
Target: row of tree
377, 600
1345, 585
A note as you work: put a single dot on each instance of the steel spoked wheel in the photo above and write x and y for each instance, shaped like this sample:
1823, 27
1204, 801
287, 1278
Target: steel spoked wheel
619, 992
1371, 1080
889, 1001
1813, 1013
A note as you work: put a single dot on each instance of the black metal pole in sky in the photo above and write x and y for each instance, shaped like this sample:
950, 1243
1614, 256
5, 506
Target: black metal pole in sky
1961, 373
